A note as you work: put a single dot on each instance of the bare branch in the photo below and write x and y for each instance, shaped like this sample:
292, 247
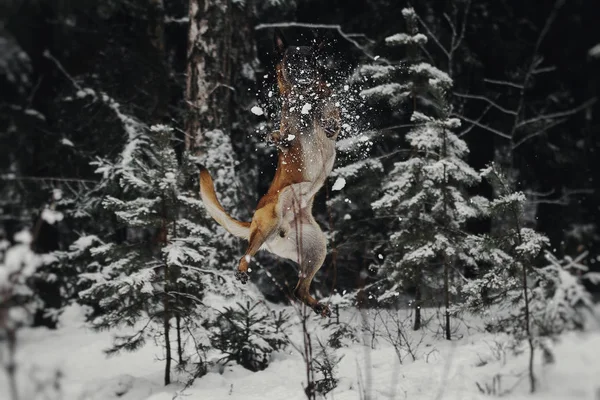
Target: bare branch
49, 56
10, 177
487, 128
487, 100
451, 24
505, 83
549, 21
338, 28
563, 200
464, 25
175, 20
551, 68
539, 132
559, 114
435, 39
362, 35
483, 114
427, 53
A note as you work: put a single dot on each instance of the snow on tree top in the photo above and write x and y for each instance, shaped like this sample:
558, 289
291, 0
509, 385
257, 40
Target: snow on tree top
437, 78
376, 71
594, 51
394, 92
51, 216
532, 244
353, 170
67, 142
85, 92
23, 236
18, 259
408, 12
450, 123
403, 38
160, 128
517, 197
35, 113
419, 117
57, 194
84, 242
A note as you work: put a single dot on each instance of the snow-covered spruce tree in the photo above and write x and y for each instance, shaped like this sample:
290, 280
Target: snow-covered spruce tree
216, 153
355, 233
524, 245
150, 283
559, 300
83, 209
533, 304
18, 263
425, 193
19, 302
248, 335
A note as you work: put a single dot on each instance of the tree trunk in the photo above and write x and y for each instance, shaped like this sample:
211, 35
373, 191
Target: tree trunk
446, 220
166, 328
418, 296
527, 330
179, 344
447, 297
11, 364
163, 240
208, 81
160, 73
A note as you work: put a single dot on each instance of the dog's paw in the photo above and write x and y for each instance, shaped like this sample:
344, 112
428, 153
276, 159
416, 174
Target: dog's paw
331, 126
280, 140
242, 276
322, 310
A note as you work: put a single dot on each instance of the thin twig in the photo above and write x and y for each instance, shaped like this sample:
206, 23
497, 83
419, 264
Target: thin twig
435, 39
487, 128
338, 28
502, 82
558, 114
487, 100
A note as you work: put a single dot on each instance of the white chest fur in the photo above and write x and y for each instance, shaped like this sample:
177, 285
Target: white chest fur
318, 155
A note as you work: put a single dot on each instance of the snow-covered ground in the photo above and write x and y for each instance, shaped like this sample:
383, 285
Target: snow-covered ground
443, 369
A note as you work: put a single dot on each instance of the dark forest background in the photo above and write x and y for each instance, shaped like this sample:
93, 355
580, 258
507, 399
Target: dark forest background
136, 52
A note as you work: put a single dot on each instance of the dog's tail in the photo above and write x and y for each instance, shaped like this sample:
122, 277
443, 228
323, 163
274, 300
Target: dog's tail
216, 210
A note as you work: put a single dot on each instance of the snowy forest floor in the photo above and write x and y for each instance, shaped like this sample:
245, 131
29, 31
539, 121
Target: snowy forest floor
442, 370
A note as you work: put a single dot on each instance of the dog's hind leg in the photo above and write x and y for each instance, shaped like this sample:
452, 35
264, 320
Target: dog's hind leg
265, 223
312, 249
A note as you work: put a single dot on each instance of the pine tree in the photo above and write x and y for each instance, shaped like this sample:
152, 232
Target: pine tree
152, 278
19, 301
84, 208
531, 302
426, 192
559, 300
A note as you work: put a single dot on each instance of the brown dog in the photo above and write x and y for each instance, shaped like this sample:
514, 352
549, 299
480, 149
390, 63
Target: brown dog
283, 222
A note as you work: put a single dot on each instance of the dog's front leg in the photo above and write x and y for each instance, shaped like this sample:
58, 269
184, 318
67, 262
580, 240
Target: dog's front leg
281, 140
330, 119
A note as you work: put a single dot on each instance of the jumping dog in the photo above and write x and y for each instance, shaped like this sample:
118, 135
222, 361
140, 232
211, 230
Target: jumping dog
283, 222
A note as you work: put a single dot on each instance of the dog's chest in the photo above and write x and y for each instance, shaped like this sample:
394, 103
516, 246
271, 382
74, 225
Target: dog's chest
318, 156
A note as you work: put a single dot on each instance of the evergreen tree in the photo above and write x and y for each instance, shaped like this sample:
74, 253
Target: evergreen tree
511, 255
151, 280
19, 301
426, 192
530, 302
